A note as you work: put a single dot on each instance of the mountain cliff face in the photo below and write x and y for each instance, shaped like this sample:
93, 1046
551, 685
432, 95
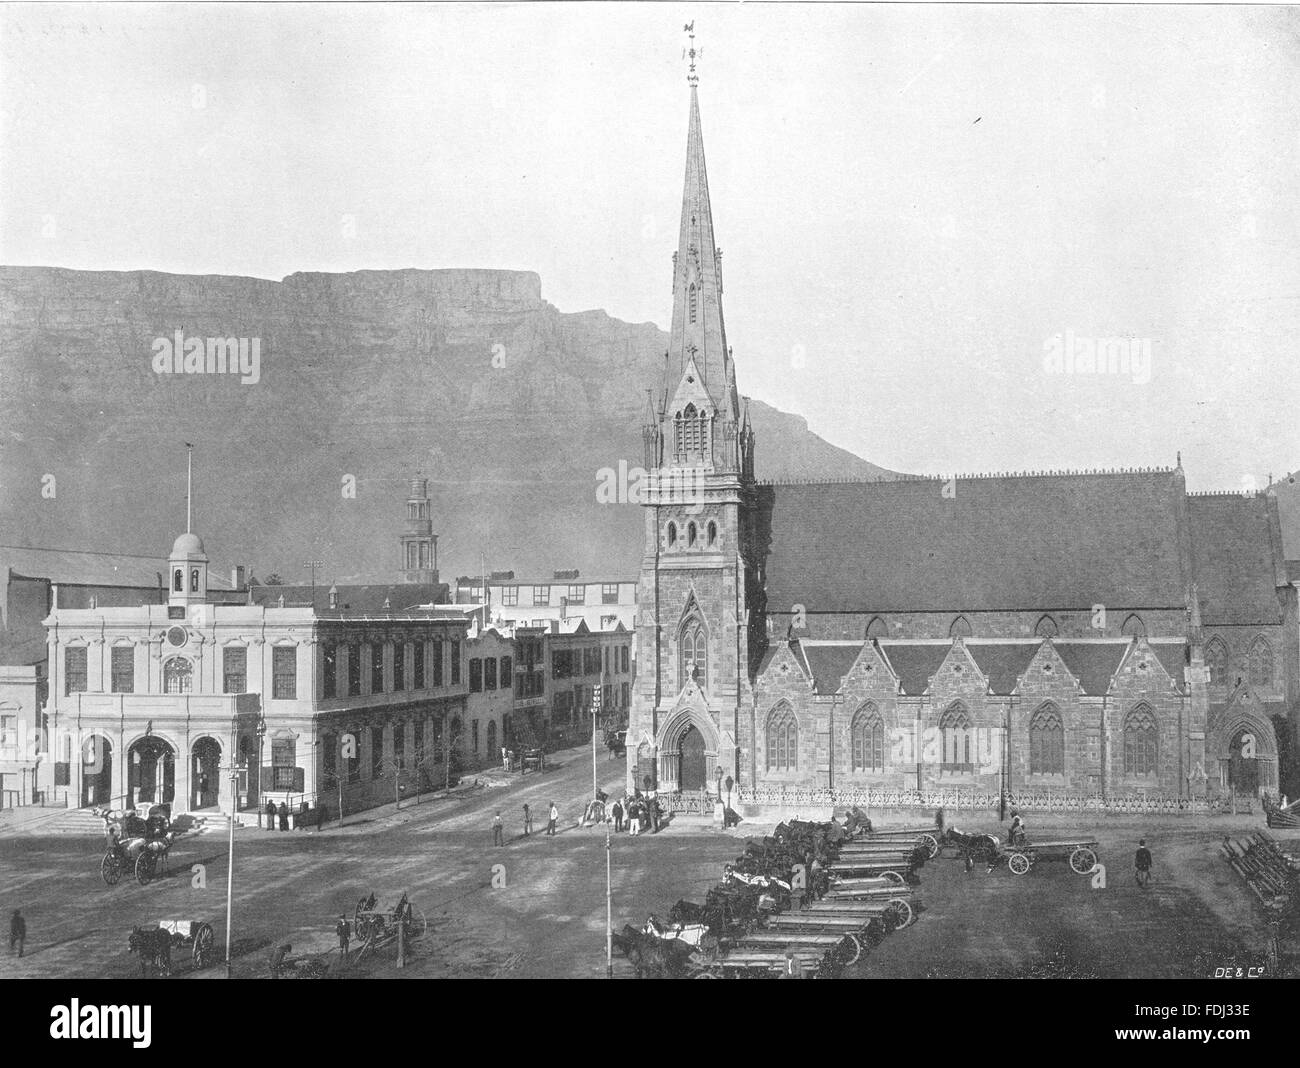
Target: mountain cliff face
510, 407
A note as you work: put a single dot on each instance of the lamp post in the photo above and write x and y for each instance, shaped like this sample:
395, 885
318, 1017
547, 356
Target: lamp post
230, 860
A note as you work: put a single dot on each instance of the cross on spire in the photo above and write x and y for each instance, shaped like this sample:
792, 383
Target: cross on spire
692, 52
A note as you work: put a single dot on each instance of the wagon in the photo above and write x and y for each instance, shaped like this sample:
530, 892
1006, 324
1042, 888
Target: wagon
135, 844
925, 835
866, 927
839, 947
899, 909
155, 945
375, 922
762, 963
895, 867
1081, 853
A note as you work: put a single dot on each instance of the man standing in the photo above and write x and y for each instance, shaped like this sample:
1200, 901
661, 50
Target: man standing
553, 817
344, 931
528, 820
17, 931
617, 813
497, 825
1142, 863
270, 815
284, 816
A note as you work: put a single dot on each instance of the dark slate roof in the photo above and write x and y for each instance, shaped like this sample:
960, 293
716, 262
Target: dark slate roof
86, 568
830, 662
353, 600
1173, 657
1006, 542
1093, 663
1003, 663
1233, 558
915, 665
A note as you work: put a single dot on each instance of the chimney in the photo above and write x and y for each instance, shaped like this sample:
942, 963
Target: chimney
237, 577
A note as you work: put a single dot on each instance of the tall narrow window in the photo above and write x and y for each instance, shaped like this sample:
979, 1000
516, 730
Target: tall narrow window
124, 669
954, 734
490, 673
713, 534
330, 674
354, 670
376, 667
455, 663
694, 653
437, 649
74, 669
1216, 659
399, 665
194, 580
1140, 741
868, 740
417, 664
782, 739
693, 300
1047, 742
475, 675
284, 673
1261, 663
234, 669
672, 535
178, 581
376, 752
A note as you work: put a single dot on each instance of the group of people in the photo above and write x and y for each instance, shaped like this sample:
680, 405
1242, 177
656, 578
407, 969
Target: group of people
639, 813
498, 823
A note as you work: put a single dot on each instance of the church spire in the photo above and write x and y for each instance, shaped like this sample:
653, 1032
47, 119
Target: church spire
698, 341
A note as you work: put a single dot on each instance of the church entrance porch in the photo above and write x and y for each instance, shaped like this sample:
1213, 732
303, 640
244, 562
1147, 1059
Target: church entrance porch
694, 764
151, 771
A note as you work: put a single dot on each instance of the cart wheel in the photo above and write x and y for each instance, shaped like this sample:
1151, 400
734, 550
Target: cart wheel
416, 924
204, 943
1018, 863
145, 866
930, 844
356, 913
1083, 860
902, 913
111, 868
893, 877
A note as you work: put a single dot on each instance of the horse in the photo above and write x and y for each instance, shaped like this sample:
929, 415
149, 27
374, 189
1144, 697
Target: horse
653, 958
155, 947
982, 847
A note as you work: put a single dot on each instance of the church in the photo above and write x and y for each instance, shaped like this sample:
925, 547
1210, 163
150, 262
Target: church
1104, 637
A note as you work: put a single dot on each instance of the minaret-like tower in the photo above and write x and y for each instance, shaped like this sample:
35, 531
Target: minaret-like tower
691, 598
419, 542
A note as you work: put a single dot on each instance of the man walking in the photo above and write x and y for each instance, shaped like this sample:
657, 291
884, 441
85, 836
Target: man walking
554, 816
1142, 864
17, 931
343, 930
497, 826
528, 820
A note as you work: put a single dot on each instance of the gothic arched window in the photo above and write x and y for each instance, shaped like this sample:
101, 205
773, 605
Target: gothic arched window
954, 735
713, 534
178, 581
1047, 742
1216, 659
1140, 738
194, 580
960, 628
178, 675
690, 535
672, 535
694, 648
782, 739
868, 739
692, 433
1261, 663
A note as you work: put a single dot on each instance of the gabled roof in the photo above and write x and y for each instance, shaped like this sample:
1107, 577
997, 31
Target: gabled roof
829, 662
1233, 558
915, 665
1002, 663
1093, 663
365, 600
1014, 542
1173, 658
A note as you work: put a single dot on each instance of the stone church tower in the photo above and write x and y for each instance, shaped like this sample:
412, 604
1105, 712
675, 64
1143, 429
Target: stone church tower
695, 582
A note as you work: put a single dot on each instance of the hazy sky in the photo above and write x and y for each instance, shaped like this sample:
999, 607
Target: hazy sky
912, 201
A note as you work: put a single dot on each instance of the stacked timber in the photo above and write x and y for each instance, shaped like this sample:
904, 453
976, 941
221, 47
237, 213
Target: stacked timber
1265, 868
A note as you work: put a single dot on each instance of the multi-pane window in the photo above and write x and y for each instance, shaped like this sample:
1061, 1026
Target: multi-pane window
694, 653
284, 673
510, 595
330, 675
1046, 742
399, 665
376, 667
123, 666
1261, 663
1140, 742
455, 663
178, 675
234, 669
354, 670
1216, 659
624, 663
376, 752
74, 669
284, 760
955, 734
417, 664
541, 595
609, 593
868, 740
782, 739
437, 662
507, 669
490, 673
475, 675
577, 594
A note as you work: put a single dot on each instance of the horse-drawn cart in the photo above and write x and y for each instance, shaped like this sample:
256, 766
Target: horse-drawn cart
375, 922
1081, 853
135, 843
156, 944
927, 837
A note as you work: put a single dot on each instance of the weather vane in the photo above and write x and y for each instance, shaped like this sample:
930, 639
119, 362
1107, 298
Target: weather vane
692, 52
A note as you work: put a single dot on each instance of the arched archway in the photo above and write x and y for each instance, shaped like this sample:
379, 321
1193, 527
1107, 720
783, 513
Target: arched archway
1245, 745
205, 773
96, 771
151, 772
687, 750
692, 764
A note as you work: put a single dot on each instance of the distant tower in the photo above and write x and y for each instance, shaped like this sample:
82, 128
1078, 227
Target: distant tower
187, 567
419, 542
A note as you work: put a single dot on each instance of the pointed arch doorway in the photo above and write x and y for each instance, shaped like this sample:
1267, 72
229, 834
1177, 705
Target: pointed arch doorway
694, 765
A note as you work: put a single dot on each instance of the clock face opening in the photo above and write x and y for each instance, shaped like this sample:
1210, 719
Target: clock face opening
177, 636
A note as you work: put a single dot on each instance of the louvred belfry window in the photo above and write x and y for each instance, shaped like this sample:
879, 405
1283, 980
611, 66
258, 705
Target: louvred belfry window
692, 434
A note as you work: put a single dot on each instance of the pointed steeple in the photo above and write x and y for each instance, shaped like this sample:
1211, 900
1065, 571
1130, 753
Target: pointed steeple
698, 331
